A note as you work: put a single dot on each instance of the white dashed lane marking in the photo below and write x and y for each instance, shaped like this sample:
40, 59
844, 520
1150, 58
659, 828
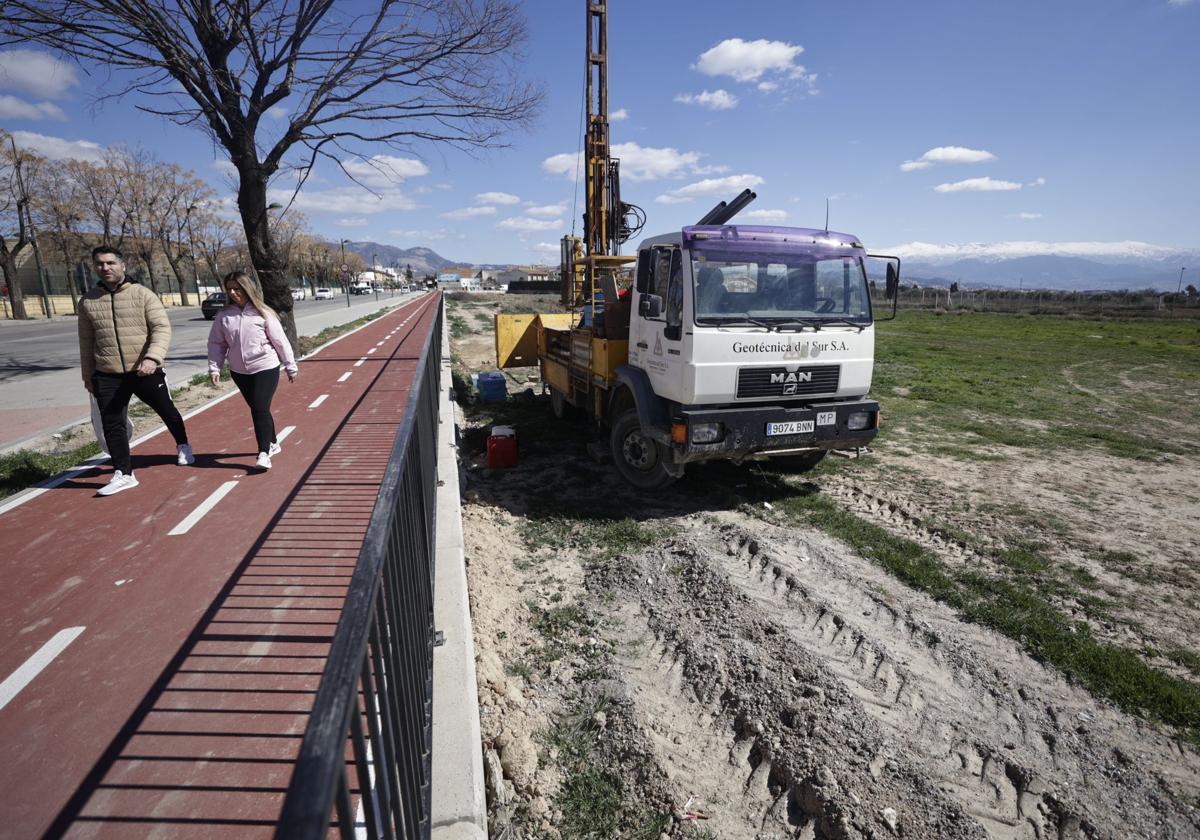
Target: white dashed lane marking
344, 376
360, 361
208, 504
318, 401
35, 664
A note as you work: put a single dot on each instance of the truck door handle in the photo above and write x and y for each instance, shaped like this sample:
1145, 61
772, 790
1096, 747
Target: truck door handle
643, 345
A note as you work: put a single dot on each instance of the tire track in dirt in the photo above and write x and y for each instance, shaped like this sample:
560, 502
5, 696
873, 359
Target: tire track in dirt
1010, 753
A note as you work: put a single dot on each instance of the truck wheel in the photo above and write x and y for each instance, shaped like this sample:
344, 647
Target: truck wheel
559, 404
638, 458
798, 463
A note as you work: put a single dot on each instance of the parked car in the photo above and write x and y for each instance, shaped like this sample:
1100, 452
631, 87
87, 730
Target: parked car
323, 294
297, 294
213, 304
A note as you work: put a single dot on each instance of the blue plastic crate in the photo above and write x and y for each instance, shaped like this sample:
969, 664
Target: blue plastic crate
493, 387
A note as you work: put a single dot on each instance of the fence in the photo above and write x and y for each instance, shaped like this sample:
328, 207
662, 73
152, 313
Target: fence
1120, 304
376, 690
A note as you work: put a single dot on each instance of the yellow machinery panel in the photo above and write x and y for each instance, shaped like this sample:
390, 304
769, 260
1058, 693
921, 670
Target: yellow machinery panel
556, 375
517, 337
607, 356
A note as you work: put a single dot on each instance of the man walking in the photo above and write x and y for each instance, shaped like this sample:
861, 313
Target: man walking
123, 338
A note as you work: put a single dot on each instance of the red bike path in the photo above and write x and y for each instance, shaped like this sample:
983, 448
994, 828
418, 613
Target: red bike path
177, 669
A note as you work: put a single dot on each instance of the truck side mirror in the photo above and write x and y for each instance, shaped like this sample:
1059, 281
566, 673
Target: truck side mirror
650, 306
893, 281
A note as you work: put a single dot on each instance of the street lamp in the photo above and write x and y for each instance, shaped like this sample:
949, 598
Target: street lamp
192, 247
344, 272
1180, 287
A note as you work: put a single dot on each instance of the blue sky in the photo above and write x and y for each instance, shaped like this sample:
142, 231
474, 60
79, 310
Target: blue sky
934, 127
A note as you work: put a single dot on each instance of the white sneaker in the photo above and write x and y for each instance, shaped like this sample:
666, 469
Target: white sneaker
184, 456
274, 450
264, 461
117, 483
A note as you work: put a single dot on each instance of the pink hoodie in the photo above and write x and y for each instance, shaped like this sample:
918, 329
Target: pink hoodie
252, 342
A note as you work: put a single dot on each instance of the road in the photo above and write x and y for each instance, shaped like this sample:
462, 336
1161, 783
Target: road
163, 646
40, 388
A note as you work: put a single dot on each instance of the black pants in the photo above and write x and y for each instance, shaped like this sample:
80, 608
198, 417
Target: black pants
113, 391
259, 389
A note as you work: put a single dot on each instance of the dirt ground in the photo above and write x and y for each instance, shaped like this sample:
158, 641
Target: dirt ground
703, 668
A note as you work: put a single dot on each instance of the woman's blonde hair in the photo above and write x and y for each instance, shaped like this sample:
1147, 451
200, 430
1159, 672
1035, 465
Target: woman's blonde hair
253, 291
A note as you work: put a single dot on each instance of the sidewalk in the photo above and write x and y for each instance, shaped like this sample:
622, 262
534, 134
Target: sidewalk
163, 645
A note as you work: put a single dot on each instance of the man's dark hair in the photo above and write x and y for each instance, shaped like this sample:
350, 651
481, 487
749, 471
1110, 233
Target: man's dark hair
107, 249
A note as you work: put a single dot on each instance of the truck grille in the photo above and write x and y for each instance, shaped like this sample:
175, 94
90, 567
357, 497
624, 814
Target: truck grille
779, 382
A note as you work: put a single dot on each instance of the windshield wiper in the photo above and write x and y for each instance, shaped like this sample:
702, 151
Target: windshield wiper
846, 322
724, 322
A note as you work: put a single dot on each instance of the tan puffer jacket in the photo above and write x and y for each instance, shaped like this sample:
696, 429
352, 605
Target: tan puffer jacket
119, 329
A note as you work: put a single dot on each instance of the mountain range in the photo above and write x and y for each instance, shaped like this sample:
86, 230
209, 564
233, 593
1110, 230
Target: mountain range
1070, 266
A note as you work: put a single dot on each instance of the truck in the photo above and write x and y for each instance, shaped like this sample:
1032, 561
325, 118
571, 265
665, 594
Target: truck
714, 341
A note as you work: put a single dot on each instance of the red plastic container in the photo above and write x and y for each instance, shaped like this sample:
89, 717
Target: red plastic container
502, 448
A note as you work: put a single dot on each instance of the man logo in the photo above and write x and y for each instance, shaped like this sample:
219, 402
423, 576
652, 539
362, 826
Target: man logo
789, 389
791, 378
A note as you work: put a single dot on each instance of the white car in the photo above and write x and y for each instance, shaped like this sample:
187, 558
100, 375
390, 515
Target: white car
324, 294
297, 294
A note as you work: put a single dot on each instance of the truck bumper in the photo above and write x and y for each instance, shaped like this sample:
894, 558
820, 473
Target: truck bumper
744, 431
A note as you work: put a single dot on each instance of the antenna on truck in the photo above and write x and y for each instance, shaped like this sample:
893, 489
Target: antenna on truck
827, 214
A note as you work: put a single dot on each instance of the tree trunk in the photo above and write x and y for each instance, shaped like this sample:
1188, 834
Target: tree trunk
252, 204
15, 297
149, 261
174, 263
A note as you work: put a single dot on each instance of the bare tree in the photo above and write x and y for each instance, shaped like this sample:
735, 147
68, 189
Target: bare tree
100, 188
403, 73
17, 168
217, 239
142, 197
59, 203
182, 194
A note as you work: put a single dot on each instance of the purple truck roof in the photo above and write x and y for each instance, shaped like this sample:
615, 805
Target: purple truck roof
741, 236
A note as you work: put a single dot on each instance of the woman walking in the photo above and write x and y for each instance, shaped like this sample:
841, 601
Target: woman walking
248, 332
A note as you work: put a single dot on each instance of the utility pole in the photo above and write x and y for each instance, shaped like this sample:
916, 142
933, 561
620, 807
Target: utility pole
192, 248
344, 272
1179, 288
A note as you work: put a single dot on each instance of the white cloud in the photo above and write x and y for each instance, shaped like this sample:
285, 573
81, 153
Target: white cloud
56, 148
546, 248
1178, 2
618, 115
768, 87
717, 100
524, 224
766, 215
225, 167
382, 172
36, 73
983, 250
342, 200
1029, 215
747, 61
352, 222
497, 198
947, 154
546, 209
1037, 182
638, 163
729, 185
427, 235
18, 109
978, 185
470, 212
277, 112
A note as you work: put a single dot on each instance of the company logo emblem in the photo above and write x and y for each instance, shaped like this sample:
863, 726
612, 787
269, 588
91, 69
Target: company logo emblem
791, 378
658, 346
789, 389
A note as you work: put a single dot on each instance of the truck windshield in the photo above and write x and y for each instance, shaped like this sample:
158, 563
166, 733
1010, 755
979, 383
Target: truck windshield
780, 288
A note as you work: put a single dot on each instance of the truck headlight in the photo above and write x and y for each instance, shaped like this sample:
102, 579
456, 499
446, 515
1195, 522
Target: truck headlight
708, 433
859, 420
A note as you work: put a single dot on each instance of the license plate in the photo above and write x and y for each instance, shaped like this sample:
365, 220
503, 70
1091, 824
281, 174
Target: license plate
826, 418
793, 427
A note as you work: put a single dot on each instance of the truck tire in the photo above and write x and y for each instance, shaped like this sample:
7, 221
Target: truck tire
798, 463
638, 459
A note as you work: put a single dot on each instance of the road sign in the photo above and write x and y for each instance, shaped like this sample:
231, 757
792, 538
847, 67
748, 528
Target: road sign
345, 266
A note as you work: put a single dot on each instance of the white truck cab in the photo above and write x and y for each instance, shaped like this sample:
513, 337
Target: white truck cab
745, 341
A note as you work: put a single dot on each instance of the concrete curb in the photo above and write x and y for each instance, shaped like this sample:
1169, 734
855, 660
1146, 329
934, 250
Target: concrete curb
459, 808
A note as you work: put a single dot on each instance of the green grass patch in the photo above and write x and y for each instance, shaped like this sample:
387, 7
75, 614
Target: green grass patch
22, 469
1019, 610
309, 343
1036, 383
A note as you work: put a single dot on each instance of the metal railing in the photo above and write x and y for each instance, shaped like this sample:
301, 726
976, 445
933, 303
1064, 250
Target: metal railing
376, 690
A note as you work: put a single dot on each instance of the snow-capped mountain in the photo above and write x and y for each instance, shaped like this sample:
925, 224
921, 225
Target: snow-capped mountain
1049, 265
